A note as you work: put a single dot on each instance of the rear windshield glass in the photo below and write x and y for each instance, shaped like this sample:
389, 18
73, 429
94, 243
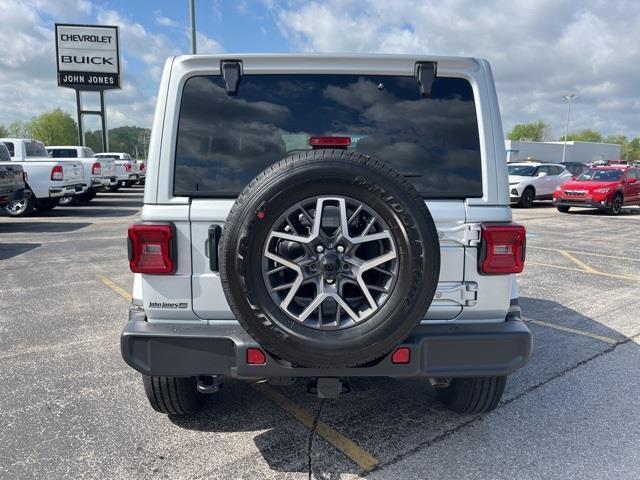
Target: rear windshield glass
35, 149
601, 175
225, 141
63, 152
4, 153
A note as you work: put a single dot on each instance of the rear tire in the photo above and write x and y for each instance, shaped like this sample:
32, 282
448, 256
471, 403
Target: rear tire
86, 197
173, 395
563, 208
68, 201
472, 395
527, 198
114, 188
22, 208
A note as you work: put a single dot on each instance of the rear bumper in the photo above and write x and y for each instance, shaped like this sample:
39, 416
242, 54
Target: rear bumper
103, 182
68, 190
161, 349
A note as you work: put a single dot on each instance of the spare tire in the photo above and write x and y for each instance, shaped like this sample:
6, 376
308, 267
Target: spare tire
329, 259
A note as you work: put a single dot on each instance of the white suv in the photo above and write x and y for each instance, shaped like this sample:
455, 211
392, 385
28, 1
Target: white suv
326, 217
529, 181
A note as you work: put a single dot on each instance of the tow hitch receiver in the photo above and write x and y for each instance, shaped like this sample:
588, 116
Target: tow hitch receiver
327, 387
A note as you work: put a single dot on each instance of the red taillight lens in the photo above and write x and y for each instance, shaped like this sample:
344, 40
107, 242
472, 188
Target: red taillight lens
96, 168
141, 166
255, 356
151, 249
127, 167
502, 249
401, 355
56, 173
330, 142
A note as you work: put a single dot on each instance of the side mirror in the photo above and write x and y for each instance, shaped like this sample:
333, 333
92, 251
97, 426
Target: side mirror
542, 174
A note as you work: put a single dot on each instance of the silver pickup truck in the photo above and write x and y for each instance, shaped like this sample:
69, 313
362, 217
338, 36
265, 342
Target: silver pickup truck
326, 217
48, 180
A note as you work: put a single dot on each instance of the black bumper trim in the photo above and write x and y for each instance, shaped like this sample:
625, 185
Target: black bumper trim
162, 349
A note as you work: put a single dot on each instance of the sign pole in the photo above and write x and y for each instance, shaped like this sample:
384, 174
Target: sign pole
79, 107
103, 118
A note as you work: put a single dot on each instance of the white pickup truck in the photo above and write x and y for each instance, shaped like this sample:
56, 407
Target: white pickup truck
128, 171
12, 179
99, 173
48, 180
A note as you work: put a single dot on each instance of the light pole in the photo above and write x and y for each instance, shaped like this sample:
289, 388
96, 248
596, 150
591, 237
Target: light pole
568, 98
192, 16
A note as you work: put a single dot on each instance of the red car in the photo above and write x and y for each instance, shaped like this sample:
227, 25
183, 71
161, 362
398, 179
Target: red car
606, 188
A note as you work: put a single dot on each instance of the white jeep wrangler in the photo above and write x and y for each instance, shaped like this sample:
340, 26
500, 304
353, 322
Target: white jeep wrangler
326, 217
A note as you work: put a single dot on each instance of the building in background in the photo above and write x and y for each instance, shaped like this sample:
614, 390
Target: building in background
584, 152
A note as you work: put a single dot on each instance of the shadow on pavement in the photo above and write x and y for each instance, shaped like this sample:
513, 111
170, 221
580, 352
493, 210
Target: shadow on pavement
10, 250
42, 227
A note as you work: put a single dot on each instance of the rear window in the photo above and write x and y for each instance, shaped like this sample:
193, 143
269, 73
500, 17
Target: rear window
63, 152
35, 149
10, 147
4, 153
225, 141
601, 175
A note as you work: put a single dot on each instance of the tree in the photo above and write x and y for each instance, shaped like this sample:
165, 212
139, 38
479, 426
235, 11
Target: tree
586, 135
536, 131
133, 140
633, 149
17, 129
4, 131
54, 128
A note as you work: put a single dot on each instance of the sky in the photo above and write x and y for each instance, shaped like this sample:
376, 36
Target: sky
539, 50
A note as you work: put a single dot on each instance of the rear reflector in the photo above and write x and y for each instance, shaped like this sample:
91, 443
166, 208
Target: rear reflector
330, 142
56, 173
401, 355
151, 248
96, 169
502, 249
255, 356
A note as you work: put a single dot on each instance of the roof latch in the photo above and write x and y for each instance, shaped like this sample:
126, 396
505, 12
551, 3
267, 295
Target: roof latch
425, 73
231, 72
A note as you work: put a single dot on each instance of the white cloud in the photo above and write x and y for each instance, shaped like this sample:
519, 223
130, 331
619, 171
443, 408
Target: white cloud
162, 20
205, 44
539, 49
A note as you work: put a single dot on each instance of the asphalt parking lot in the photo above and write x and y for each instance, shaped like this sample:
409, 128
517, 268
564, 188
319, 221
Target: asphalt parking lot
70, 407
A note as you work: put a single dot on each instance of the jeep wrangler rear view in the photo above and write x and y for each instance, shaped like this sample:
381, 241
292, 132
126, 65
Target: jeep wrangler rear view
326, 217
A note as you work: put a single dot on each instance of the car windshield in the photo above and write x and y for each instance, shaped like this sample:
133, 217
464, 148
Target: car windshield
601, 175
522, 170
63, 152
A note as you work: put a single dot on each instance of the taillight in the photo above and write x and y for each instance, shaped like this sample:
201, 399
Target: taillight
502, 249
151, 248
330, 142
96, 169
56, 173
141, 166
127, 167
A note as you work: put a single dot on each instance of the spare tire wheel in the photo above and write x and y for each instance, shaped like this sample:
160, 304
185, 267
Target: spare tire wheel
329, 259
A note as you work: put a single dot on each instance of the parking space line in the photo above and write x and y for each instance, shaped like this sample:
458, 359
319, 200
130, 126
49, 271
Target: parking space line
593, 254
115, 287
355, 453
579, 263
602, 274
602, 338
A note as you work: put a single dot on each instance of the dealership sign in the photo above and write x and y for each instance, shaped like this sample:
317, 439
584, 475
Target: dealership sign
88, 56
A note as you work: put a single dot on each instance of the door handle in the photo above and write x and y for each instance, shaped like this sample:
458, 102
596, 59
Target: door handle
213, 239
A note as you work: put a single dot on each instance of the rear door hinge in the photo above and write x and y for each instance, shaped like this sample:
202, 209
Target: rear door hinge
231, 73
426, 74
465, 294
467, 235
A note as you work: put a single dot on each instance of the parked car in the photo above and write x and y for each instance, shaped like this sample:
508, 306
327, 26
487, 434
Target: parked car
99, 173
48, 180
607, 188
12, 179
356, 247
127, 169
530, 181
575, 168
